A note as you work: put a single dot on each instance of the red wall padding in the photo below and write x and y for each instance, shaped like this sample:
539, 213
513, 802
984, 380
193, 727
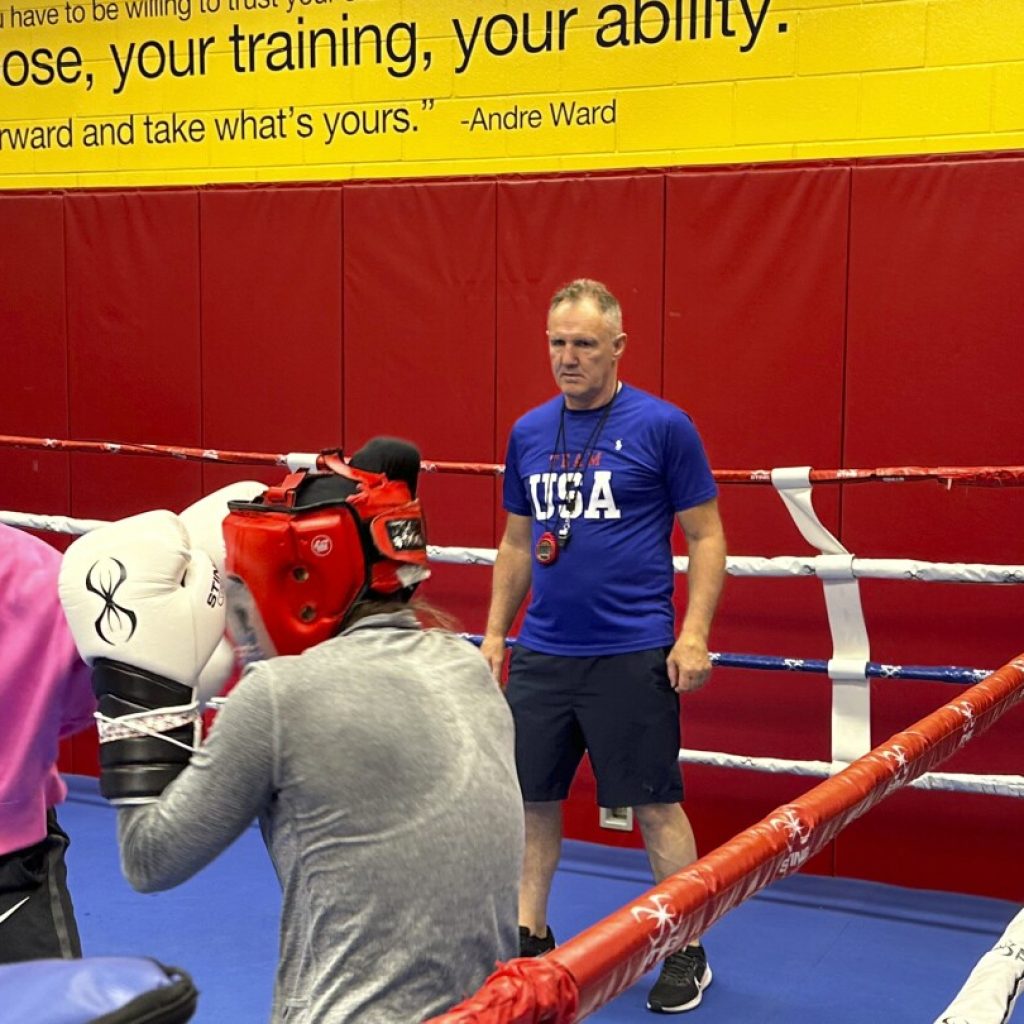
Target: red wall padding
271, 309
133, 353
33, 339
420, 362
551, 231
755, 284
856, 314
936, 345
34, 381
133, 345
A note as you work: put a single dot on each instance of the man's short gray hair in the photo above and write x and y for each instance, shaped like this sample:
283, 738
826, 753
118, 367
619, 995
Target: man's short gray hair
586, 288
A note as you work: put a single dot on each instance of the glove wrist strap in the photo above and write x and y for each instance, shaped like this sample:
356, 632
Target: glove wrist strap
148, 728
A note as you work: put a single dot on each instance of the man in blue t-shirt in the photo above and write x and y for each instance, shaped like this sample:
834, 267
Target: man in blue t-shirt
594, 480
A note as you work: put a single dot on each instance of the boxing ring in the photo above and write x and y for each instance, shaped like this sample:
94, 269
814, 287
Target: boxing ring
588, 970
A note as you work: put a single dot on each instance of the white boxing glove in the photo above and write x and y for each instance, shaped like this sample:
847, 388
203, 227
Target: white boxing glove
146, 611
204, 520
216, 672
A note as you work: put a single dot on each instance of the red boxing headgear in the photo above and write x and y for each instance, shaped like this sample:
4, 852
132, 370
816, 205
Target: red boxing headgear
303, 554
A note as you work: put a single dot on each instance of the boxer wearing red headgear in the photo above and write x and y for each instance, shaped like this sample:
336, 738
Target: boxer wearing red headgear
379, 760
305, 552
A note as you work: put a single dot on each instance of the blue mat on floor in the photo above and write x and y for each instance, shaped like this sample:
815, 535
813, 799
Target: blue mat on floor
807, 949
220, 926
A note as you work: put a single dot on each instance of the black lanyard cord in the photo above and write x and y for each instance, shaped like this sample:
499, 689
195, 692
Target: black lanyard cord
562, 447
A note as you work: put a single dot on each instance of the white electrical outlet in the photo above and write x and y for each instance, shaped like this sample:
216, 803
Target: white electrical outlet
618, 818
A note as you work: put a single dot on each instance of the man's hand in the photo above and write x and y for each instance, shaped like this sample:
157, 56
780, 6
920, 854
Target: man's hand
689, 664
493, 650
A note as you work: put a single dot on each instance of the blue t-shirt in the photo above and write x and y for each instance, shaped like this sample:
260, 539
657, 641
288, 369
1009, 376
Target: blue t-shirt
609, 591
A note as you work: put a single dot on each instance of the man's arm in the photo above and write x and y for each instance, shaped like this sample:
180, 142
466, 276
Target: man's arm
509, 585
688, 662
228, 783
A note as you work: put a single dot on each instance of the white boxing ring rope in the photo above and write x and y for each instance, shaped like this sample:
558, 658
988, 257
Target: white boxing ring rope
736, 565
992, 785
799, 565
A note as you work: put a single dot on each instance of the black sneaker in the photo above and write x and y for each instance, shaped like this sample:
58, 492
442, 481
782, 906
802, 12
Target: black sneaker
684, 976
534, 945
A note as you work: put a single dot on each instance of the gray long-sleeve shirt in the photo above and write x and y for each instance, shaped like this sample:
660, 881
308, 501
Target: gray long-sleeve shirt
381, 767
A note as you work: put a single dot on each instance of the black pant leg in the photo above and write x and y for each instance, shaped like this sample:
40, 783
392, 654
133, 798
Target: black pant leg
37, 917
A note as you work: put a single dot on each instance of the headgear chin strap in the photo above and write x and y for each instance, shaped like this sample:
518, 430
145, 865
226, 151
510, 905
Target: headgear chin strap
300, 556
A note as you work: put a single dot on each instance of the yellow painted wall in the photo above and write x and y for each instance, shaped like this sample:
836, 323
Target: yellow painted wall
141, 92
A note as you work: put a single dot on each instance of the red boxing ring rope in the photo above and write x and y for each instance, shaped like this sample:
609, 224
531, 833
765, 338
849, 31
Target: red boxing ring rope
586, 972
985, 476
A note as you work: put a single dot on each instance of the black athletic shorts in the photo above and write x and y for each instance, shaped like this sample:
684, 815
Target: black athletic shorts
37, 920
619, 708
